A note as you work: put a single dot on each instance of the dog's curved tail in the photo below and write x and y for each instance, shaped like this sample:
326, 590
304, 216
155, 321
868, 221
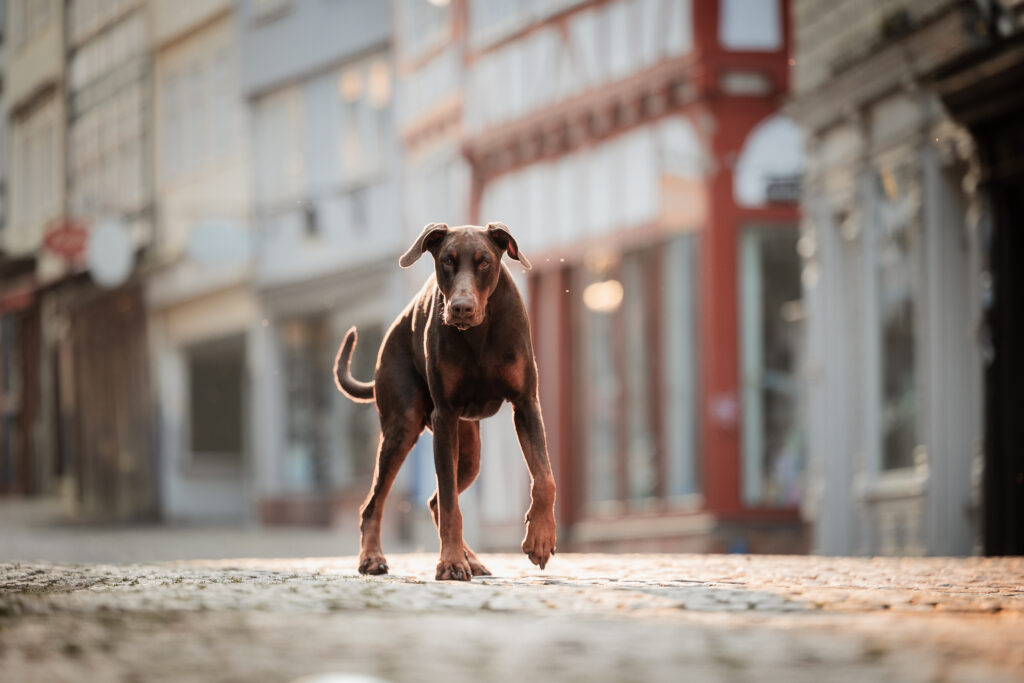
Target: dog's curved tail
360, 392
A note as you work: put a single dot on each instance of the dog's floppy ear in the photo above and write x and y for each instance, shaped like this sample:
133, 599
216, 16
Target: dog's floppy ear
499, 232
431, 236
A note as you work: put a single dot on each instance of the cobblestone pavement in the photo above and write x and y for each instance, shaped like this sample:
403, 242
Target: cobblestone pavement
588, 618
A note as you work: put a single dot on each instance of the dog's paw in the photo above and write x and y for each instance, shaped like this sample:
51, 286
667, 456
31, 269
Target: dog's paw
475, 565
372, 563
539, 544
456, 569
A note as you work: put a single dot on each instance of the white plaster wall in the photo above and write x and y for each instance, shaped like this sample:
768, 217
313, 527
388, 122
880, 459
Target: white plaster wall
600, 45
595, 191
439, 80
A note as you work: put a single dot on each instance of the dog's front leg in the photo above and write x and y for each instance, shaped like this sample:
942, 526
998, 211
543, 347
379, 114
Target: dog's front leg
540, 540
453, 564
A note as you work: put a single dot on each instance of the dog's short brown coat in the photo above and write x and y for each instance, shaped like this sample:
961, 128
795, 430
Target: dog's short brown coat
460, 348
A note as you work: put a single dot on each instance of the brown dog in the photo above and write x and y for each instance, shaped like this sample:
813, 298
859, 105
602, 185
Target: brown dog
460, 348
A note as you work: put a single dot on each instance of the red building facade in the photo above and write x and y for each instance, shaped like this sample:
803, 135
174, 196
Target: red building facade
635, 147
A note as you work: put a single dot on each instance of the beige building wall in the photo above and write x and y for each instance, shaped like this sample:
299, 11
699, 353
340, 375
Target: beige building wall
33, 81
34, 48
174, 19
36, 188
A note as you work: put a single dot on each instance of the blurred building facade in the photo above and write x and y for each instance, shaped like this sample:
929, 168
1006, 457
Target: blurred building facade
77, 352
905, 275
96, 369
698, 339
982, 90
292, 151
34, 112
318, 79
435, 183
204, 318
636, 147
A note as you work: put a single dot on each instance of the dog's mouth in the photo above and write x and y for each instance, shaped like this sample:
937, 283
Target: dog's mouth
462, 323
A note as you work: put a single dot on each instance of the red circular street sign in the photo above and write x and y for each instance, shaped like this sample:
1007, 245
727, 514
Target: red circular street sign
67, 238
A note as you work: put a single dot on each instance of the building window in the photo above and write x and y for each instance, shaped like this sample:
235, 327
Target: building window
199, 116
364, 94
750, 25
223, 95
351, 90
28, 17
636, 376
897, 275
769, 290
360, 422
679, 366
323, 451
280, 133
603, 394
216, 377
195, 121
639, 327
307, 360
423, 24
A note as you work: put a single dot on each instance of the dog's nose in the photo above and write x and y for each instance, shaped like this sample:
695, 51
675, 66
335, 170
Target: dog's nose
463, 308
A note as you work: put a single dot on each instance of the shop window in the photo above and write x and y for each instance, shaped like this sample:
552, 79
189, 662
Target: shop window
638, 327
679, 366
306, 349
603, 394
897, 268
324, 452
216, 377
361, 424
636, 376
769, 291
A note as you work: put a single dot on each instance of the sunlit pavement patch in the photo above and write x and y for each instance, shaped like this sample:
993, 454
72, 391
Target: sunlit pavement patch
592, 617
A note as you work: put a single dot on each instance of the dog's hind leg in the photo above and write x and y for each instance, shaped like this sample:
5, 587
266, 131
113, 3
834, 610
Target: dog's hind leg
398, 434
469, 468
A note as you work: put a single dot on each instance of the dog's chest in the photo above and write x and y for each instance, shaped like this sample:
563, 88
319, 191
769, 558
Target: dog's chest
478, 390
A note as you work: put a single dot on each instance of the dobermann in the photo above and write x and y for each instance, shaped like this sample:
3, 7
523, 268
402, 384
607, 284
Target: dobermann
460, 348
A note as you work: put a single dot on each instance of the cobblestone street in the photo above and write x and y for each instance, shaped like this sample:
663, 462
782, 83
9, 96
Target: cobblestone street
589, 617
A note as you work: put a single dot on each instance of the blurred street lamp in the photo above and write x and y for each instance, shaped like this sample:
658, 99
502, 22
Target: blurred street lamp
603, 297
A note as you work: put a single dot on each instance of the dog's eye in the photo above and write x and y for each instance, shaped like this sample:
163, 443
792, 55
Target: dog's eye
447, 262
484, 265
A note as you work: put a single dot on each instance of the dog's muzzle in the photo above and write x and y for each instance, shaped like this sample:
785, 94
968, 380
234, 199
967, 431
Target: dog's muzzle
463, 314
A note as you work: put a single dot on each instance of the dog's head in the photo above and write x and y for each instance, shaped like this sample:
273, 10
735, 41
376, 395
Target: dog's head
467, 261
